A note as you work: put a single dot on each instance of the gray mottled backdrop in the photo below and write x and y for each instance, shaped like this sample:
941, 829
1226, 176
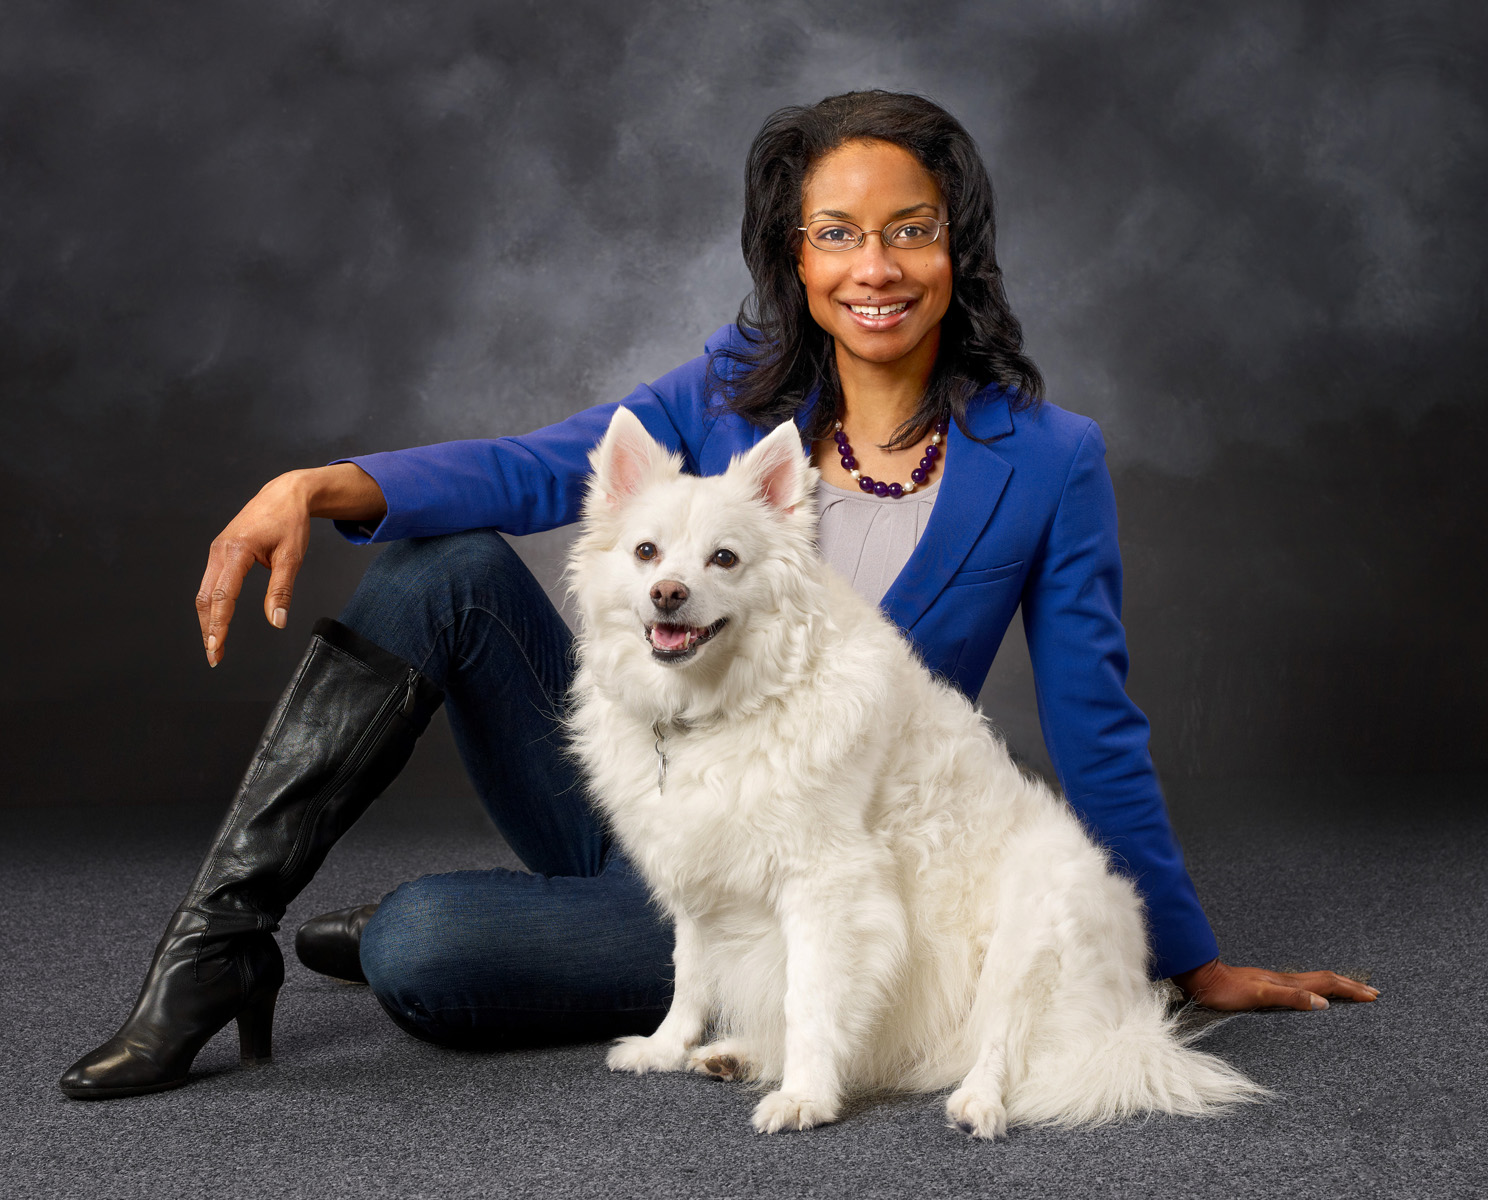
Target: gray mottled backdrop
241, 237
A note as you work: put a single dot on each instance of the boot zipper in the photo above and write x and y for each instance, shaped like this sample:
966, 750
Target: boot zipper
390, 707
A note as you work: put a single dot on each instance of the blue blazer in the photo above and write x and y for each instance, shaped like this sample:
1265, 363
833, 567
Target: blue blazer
1030, 519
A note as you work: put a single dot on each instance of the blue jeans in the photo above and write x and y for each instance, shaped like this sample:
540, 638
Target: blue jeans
575, 950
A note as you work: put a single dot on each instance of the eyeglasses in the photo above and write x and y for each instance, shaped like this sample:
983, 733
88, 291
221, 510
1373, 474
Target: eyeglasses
834, 236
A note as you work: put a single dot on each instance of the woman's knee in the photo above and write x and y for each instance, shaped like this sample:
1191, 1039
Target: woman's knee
410, 960
418, 590
481, 959
447, 572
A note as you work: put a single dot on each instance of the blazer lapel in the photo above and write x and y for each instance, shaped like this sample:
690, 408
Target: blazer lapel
972, 483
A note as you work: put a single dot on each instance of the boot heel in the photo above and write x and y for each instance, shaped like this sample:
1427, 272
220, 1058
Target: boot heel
256, 1030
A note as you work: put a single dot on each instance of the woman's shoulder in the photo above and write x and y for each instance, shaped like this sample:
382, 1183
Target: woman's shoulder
1043, 428
691, 382
725, 337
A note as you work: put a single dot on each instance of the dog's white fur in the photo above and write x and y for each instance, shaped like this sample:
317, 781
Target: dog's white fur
867, 892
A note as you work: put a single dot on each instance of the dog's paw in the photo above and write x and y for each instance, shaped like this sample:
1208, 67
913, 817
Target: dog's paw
727, 1059
641, 1054
788, 1110
977, 1113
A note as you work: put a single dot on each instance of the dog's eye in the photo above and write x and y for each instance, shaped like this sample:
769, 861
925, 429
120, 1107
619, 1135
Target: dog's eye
646, 551
724, 558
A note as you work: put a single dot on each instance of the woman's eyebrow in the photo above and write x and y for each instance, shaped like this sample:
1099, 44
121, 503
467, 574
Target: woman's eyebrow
903, 212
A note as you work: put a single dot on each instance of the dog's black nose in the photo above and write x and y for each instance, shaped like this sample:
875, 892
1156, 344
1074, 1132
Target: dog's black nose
668, 595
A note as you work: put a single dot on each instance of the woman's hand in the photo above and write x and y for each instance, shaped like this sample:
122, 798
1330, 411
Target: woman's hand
1232, 989
273, 530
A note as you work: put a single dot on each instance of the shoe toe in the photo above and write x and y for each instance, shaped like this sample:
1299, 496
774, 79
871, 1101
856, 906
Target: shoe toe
330, 944
115, 1070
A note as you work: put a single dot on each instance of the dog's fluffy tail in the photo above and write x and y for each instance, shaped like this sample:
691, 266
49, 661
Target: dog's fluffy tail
1145, 1064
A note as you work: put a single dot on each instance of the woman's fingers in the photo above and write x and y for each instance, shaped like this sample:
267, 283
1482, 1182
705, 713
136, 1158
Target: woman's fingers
284, 565
1327, 983
228, 564
1278, 996
204, 593
1241, 989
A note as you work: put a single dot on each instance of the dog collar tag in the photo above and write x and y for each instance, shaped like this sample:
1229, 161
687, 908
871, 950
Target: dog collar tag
660, 756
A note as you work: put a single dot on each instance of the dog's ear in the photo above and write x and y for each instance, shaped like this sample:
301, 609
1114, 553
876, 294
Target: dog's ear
627, 458
778, 468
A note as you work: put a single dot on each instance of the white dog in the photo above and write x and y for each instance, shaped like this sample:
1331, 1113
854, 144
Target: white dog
867, 892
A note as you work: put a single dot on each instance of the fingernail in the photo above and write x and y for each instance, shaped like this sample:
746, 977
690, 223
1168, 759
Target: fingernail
281, 618
1318, 1002
211, 643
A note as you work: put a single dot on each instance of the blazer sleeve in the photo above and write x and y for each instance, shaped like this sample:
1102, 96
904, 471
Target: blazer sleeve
1097, 738
527, 483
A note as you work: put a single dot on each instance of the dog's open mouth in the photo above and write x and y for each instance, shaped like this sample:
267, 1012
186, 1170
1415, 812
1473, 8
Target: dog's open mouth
676, 643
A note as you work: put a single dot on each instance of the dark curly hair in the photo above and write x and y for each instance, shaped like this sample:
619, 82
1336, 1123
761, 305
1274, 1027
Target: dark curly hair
787, 354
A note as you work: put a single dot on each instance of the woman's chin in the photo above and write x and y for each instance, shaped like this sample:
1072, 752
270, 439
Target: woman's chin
881, 348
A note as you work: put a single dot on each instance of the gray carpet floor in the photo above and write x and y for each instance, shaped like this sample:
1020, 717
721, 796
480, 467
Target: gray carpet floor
1382, 878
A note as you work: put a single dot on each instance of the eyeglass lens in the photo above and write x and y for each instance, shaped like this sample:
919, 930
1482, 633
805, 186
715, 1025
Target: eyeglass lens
908, 234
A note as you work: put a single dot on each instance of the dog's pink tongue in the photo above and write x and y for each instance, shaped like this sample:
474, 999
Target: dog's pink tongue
669, 637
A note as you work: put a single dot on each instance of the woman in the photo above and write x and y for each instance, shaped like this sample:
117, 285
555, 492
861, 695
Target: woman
878, 323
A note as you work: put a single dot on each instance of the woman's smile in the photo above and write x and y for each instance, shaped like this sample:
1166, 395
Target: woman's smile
878, 314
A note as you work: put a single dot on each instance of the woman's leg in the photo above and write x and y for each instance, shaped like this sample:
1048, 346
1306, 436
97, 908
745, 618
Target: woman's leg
487, 958
343, 728
468, 613
482, 959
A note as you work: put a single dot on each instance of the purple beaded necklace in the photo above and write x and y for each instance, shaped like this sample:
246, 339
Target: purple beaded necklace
877, 486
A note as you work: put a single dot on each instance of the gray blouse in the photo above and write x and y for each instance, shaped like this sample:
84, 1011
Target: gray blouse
867, 538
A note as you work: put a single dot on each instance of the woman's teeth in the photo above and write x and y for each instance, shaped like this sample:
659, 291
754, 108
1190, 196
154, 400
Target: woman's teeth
879, 310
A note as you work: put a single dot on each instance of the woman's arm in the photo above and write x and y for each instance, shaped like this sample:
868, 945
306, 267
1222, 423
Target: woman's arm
1098, 740
1096, 736
521, 484
534, 481
518, 485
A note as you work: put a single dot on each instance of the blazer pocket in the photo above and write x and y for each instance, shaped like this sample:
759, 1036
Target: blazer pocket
985, 574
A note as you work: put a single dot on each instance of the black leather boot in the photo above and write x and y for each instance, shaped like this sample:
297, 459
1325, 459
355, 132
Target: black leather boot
340, 733
331, 943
